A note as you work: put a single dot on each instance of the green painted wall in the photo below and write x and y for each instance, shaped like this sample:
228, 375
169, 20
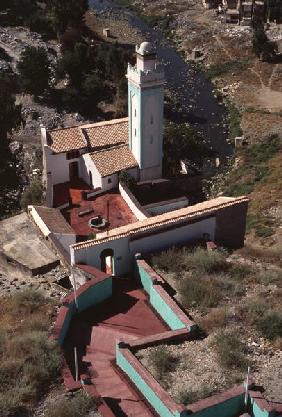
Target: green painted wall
143, 387
229, 408
95, 294
65, 327
165, 311
90, 297
157, 302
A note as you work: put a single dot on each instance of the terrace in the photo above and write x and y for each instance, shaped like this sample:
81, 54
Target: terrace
109, 207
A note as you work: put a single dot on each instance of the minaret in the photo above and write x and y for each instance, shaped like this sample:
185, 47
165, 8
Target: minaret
145, 111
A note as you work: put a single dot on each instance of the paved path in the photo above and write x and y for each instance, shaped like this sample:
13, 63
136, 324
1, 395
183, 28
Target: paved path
127, 315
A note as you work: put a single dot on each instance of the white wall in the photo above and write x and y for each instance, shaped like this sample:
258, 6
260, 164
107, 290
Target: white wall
91, 256
58, 165
86, 164
166, 206
66, 240
106, 185
175, 236
151, 173
38, 221
135, 148
132, 203
151, 151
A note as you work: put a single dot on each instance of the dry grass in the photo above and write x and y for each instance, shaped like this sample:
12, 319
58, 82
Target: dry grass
29, 361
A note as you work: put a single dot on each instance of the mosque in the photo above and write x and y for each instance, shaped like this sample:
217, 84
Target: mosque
81, 171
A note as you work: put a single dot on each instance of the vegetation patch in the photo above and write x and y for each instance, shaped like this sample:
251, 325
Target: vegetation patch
78, 406
230, 351
29, 361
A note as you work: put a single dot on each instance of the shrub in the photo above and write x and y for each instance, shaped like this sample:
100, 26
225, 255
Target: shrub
230, 351
270, 277
126, 179
28, 301
34, 70
33, 194
162, 361
239, 271
203, 292
78, 406
270, 325
216, 318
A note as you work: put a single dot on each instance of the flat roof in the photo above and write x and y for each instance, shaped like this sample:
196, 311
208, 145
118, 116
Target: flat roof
173, 217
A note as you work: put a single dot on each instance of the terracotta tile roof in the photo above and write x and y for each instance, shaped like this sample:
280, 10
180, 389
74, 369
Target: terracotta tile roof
115, 159
54, 220
104, 134
177, 216
95, 135
64, 140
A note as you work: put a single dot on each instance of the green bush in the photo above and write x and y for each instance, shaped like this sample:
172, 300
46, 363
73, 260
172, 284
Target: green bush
270, 277
28, 301
34, 70
78, 406
270, 325
33, 194
230, 351
162, 361
239, 271
126, 179
199, 291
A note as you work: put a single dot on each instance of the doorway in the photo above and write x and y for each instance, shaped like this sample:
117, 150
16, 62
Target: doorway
107, 261
73, 171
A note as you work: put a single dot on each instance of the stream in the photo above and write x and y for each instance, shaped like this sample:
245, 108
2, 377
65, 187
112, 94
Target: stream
193, 93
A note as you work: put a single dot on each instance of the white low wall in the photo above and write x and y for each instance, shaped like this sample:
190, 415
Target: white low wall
133, 203
166, 206
38, 221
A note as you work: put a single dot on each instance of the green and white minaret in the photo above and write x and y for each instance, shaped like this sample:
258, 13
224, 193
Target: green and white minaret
145, 111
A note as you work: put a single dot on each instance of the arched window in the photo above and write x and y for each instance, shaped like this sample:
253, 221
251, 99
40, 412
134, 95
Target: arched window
152, 120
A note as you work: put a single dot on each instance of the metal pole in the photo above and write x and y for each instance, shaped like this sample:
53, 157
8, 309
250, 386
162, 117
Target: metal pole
247, 387
75, 364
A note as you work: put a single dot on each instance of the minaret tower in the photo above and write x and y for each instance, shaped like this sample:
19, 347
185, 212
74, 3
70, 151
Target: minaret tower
145, 111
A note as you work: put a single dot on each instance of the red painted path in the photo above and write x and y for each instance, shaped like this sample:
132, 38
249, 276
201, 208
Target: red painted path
126, 316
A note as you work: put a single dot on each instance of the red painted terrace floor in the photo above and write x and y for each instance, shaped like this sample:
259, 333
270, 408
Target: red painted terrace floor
110, 206
95, 332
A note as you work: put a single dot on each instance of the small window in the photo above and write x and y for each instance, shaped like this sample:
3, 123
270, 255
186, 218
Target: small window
135, 133
109, 180
152, 120
72, 155
151, 139
135, 113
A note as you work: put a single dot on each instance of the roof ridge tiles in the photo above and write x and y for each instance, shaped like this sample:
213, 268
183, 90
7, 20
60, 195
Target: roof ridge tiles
179, 215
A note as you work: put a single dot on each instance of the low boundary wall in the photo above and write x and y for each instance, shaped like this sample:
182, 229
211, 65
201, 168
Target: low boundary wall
160, 300
133, 203
93, 292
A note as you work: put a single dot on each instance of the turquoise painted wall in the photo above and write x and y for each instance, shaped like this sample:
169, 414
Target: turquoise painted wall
146, 391
157, 302
95, 294
165, 311
229, 408
92, 296
65, 327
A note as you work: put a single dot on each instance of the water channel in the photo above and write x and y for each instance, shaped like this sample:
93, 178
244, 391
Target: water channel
189, 87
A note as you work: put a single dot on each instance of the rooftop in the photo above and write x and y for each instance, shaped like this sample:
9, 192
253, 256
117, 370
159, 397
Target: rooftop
95, 135
115, 159
54, 220
110, 206
191, 212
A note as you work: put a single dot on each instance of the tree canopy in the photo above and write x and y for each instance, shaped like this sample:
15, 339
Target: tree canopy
34, 70
66, 13
181, 142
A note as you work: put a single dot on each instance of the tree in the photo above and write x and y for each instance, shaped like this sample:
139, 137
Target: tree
66, 13
274, 10
75, 63
10, 118
181, 142
34, 70
33, 194
262, 46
